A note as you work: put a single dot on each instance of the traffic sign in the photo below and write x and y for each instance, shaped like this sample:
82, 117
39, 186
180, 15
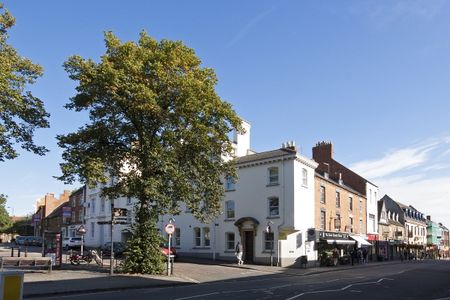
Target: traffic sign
81, 229
170, 228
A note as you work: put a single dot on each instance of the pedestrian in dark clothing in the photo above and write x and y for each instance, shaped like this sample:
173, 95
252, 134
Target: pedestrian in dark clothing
353, 256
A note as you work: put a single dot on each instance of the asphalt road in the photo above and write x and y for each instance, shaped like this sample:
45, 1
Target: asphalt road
409, 280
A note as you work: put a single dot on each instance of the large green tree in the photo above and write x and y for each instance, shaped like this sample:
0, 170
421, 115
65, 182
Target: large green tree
5, 219
20, 112
157, 132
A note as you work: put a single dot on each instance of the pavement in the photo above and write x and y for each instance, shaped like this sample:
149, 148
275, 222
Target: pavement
85, 279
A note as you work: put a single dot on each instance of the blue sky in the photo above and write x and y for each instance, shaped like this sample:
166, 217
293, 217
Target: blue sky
373, 77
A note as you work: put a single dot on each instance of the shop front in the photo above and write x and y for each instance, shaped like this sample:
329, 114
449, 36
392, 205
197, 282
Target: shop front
334, 247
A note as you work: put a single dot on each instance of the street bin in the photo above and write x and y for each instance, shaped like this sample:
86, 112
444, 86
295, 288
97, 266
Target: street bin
11, 285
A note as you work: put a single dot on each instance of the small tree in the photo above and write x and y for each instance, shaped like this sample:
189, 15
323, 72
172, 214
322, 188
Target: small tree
5, 219
20, 112
157, 127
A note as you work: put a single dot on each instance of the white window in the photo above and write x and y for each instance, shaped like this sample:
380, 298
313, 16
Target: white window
322, 219
229, 206
274, 207
102, 204
273, 175
128, 200
229, 237
197, 237
202, 237
268, 241
322, 194
350, 202
230, 184
372, 222
206, 237
304, 177
92, 229
177, 237
93, 206
360, 206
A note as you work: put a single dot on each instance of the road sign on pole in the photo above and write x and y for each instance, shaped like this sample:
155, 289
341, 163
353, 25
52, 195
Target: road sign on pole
169, 228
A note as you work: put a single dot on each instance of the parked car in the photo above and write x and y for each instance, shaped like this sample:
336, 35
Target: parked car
118, 249
71, 242
33, 241
165, 250
20, 240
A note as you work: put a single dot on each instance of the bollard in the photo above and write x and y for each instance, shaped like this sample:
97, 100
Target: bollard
26, 251
12, 251
18, 252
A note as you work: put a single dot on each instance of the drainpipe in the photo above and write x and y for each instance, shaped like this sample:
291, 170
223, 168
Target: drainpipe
283, 187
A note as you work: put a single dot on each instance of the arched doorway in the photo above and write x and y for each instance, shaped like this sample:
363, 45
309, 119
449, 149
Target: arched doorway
247, 227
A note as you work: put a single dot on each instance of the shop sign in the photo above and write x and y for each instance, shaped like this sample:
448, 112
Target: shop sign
372, 237
329, 235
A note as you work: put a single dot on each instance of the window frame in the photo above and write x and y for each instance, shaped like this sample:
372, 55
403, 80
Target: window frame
337, 222
323, 220
268, 242
197, 236
206, 236
229, 210
230, 183
228, 241
273, 179
338, 199
273, 207
304, 177
323, 194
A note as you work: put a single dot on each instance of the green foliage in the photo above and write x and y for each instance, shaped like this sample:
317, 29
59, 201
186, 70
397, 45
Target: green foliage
146, 239
5, 219
157, 127
21, 227
20, 112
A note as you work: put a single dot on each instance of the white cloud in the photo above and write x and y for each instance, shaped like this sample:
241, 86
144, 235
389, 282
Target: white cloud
383, 14
430, 195
245, 30
413, 176
394, 161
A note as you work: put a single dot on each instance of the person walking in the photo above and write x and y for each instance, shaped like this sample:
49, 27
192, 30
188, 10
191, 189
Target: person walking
239, 252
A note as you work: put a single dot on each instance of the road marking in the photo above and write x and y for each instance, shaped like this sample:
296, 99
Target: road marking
338, 290
197, 296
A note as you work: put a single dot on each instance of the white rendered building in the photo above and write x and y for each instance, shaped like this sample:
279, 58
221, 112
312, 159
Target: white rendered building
273, 188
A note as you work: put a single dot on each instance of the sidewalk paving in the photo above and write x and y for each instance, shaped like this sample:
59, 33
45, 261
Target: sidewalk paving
72, 281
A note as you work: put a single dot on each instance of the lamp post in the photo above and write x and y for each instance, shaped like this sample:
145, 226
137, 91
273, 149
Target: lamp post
269, 232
